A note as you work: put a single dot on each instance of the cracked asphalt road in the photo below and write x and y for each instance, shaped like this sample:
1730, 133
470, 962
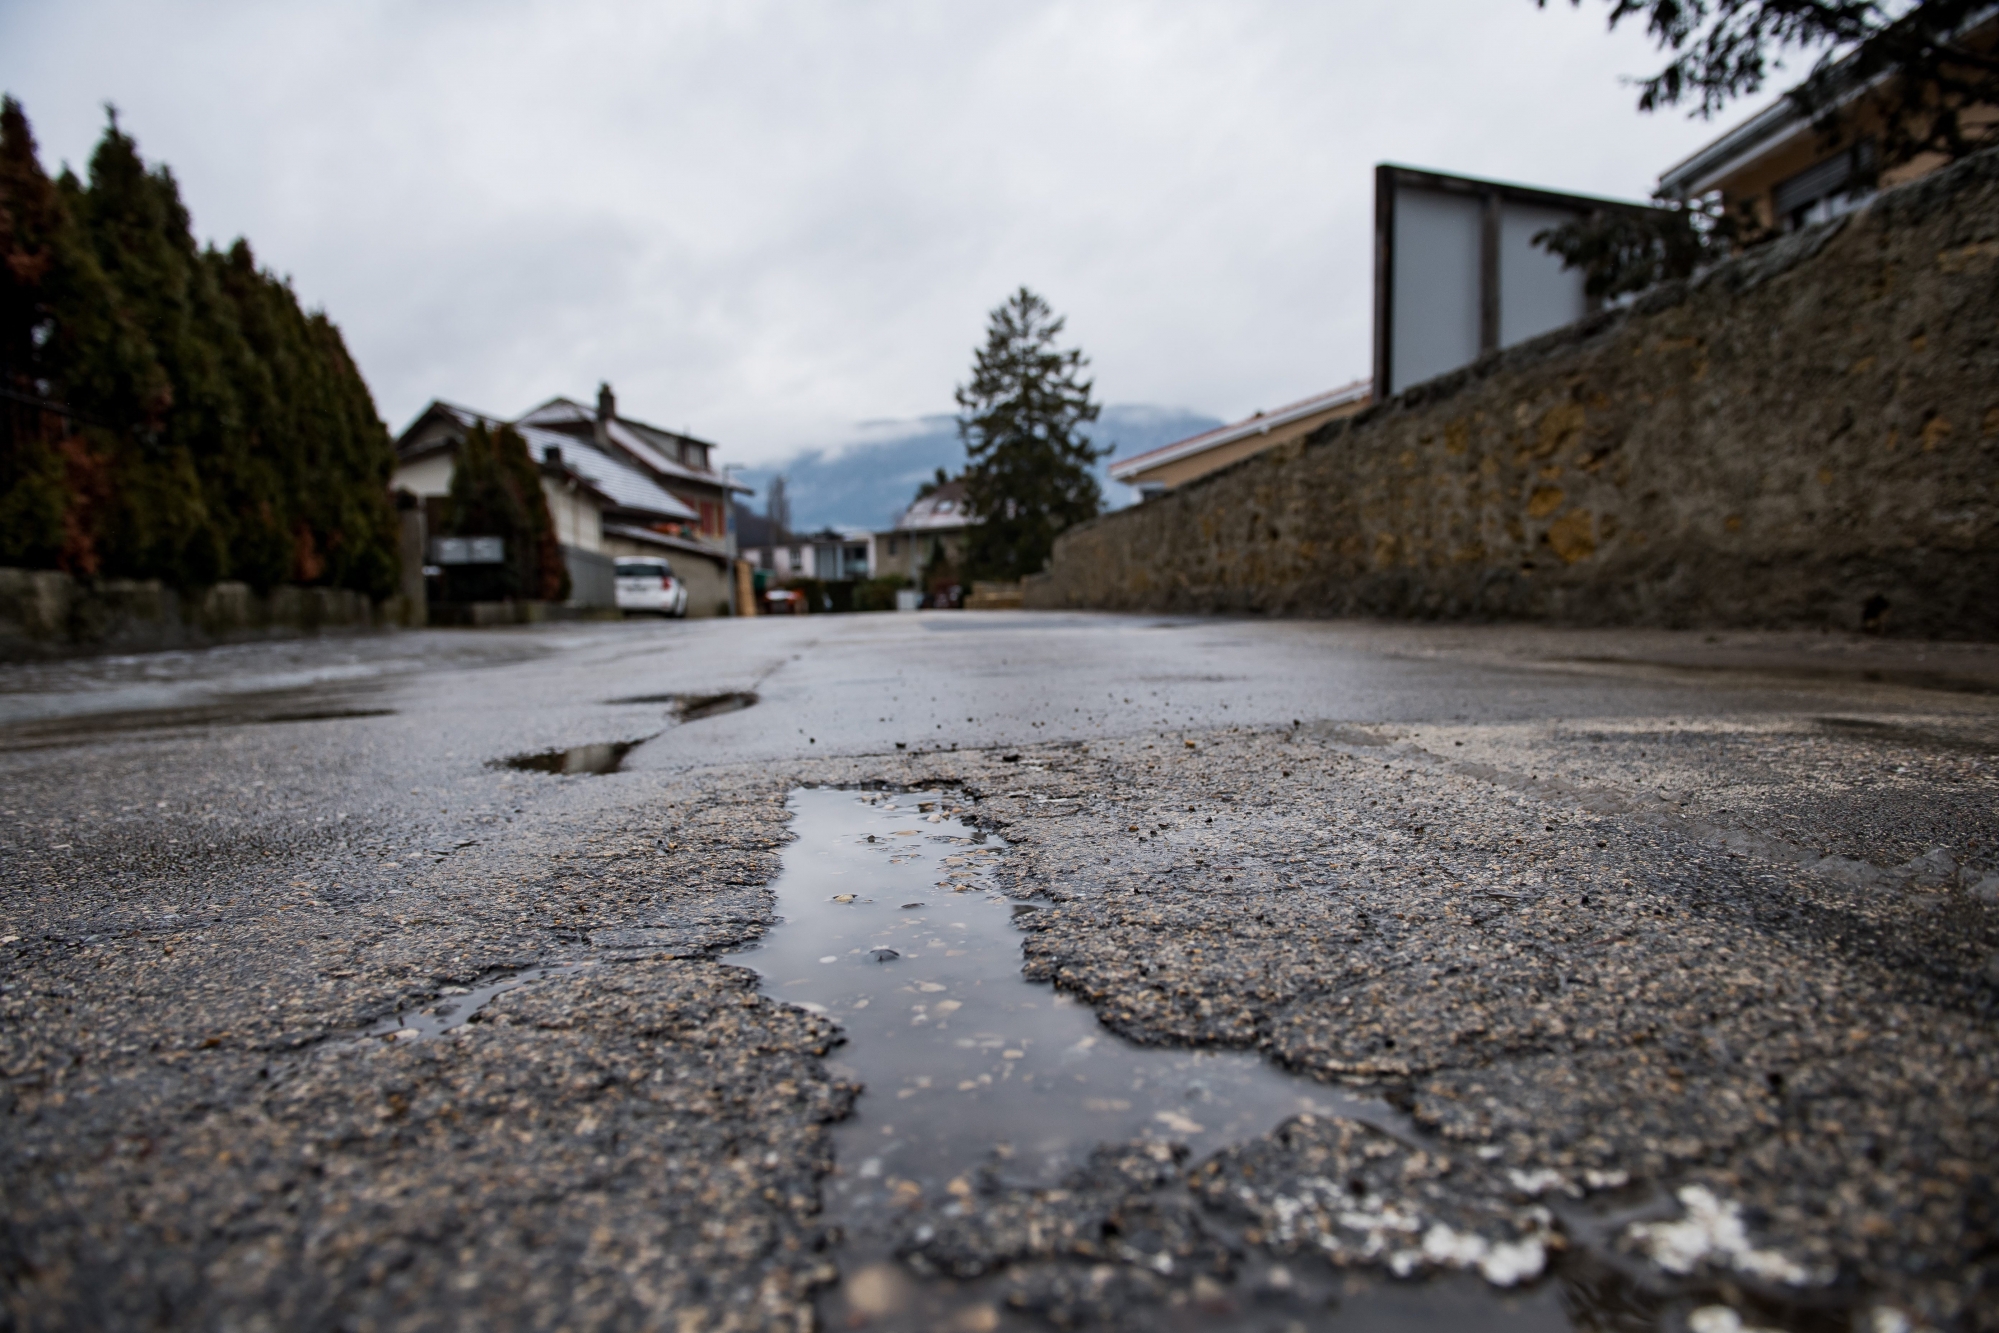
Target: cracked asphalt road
1676, 952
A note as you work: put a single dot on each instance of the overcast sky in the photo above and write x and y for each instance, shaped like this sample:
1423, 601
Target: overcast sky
767, 222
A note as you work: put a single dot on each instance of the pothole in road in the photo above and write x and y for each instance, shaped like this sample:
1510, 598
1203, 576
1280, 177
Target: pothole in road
892, 924
603, 757
694, 707
993, 1106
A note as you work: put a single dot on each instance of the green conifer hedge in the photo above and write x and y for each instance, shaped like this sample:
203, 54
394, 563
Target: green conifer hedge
496, 492
168, 411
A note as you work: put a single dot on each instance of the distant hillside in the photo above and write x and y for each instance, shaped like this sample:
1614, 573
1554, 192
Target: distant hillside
866, 482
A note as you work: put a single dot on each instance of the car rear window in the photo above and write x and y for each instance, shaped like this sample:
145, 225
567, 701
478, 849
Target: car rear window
641, 569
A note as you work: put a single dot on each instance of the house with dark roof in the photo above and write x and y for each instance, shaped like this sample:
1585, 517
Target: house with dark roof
927, 543
779, 556
615, 487
681, 464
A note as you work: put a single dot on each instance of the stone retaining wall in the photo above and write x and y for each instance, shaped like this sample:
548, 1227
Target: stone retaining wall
45, 614
1806, 435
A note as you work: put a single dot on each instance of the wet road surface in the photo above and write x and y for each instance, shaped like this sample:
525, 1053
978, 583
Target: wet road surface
1670, 959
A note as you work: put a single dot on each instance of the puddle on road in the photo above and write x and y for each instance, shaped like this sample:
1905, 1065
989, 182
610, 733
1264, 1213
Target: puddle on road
694, 707
890, 923
577, 759
320, 705
608, 756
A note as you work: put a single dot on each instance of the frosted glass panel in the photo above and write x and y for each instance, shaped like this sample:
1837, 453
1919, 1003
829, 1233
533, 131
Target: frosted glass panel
1435, 322
1535, 293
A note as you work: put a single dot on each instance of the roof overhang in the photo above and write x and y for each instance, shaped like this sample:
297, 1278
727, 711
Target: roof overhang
1772, 127
1345, 396
1715, 163
460, 418
660, 539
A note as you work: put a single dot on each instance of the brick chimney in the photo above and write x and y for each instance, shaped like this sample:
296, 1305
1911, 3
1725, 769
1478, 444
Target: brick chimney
607, 412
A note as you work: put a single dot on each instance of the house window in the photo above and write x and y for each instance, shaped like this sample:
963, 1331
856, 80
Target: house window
1820, 193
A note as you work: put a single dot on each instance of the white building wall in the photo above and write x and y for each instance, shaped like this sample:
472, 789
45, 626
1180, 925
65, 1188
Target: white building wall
578, 520
425, 477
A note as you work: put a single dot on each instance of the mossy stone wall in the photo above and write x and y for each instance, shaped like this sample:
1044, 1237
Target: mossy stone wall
1806, 435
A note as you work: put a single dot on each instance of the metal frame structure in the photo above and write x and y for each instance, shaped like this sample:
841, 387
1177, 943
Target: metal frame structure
1389, 180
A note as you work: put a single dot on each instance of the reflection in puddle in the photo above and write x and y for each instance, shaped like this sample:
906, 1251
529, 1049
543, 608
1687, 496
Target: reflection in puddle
577, 759
891, 924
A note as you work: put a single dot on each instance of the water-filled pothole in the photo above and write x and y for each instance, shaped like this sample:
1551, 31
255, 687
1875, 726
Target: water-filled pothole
891, 924
985, 1094
603, 757
694, 707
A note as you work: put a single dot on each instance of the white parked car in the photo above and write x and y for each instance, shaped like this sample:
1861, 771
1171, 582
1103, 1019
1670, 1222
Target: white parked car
648, 584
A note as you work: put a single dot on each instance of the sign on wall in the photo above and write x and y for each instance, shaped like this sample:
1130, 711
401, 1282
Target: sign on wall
1457, 273
468, 551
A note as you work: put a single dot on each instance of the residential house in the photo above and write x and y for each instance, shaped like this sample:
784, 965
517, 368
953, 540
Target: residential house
781, 557
606, 498
758, 537
927, 543
1778, 168
1160, 470
680, 463
771, 549
842, 554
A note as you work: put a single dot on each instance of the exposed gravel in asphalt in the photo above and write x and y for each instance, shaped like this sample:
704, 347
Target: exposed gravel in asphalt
199, 1136
1592, 1003
1702, 1006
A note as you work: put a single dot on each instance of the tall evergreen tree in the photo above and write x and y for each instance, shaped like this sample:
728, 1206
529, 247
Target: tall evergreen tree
496, 492
172, 412
306, 415
71, 360
142, 235
1027, 470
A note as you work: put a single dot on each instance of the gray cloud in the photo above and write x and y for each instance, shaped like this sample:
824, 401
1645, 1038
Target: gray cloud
764, 222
